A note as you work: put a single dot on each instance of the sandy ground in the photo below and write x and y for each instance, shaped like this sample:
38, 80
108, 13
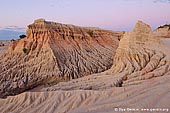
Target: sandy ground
151, 94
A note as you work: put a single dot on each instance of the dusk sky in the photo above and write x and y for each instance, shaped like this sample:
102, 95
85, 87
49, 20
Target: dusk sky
118, 15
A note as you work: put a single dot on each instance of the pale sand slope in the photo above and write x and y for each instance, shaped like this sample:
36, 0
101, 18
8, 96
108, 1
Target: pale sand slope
153, 93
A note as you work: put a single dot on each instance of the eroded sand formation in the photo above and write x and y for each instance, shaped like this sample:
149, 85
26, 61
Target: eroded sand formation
54, 52
141, 70
139, 57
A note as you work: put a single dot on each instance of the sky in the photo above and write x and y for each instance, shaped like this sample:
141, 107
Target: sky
117, 15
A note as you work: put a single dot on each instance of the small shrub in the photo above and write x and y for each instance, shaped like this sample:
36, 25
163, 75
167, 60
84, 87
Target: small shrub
24, 50
22, 36
166, 25
90, 33
2, 44
12, 40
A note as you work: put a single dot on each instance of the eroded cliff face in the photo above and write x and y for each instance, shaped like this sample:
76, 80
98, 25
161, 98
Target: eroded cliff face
140, 56
54, 52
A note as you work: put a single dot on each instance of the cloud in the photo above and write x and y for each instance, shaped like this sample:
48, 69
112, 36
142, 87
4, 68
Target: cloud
155, 1
11, 32
162, 1
13, 28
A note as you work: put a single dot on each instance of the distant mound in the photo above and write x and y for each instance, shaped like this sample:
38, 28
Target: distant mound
54, 52
163, 31
166, 25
